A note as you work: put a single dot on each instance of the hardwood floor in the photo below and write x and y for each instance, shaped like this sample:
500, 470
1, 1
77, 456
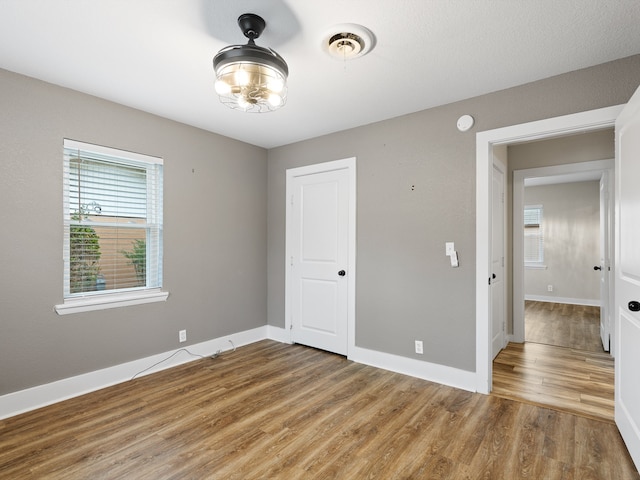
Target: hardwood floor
562, 325
571, 380
562, 364
277, 411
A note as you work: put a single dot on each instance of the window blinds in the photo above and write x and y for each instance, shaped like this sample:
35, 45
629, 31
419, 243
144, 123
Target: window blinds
533, 235
112, 220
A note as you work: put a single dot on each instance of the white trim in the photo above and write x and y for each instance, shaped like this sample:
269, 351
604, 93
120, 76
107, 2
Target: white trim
432, 372
350, 165
485, 141
566, 300
112, 152
278, 334
104, 301
25, 400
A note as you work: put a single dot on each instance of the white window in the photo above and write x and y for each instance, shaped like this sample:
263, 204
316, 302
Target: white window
112, 247
533, 237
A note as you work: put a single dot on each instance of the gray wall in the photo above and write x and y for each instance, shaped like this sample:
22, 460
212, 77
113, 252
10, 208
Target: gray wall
215, 217
571, 229
406, 289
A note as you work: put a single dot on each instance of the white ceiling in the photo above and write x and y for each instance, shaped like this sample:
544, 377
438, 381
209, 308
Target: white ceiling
156, 55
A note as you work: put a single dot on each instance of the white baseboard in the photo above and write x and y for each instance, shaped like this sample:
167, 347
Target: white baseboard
432, 372
568, 301
278, 334
31, 398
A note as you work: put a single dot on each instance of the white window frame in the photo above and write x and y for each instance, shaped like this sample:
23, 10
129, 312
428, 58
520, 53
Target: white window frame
540, 263
74, 303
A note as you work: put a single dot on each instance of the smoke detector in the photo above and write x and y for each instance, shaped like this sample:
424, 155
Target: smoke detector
348, 41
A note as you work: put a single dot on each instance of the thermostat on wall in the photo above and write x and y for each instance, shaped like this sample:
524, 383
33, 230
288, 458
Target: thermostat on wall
465, 122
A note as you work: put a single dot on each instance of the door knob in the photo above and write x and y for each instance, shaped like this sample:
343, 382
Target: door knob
597, 267
634, 306
493, 275
342, 273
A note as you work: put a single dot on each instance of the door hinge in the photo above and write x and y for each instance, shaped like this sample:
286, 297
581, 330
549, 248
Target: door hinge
291, 260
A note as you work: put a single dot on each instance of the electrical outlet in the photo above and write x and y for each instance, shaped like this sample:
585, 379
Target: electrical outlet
419, 347
549, 288
182, 336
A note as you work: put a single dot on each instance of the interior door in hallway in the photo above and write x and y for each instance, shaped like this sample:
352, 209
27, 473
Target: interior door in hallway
318, 233
605, 261
497, 262
627, 283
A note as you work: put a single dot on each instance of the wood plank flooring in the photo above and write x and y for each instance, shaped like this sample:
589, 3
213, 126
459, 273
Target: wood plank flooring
571, 380
277, 411
567, 369
562, 325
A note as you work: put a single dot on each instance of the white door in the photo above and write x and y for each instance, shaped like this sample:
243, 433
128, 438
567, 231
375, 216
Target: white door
604, 262
627, 273
497, 262
318, 234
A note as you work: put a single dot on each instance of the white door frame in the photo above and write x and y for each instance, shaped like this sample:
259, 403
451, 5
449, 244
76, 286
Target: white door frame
350, 165
485, 141
519, 177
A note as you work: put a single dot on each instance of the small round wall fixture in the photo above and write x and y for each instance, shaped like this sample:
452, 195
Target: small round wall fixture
465, 122
248, 77
347, 41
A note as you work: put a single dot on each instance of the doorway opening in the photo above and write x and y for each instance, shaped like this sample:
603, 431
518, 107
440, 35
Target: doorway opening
562, 251
485, 143
575, 266
561, 204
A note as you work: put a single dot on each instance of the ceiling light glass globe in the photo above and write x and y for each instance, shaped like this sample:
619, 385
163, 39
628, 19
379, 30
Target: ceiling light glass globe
275, 99
222, 87
275, 85
242, 77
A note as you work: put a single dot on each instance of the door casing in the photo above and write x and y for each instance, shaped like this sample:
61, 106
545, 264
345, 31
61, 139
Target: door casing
485, 141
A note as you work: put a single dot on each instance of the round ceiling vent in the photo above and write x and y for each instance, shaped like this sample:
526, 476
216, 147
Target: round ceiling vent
347, 41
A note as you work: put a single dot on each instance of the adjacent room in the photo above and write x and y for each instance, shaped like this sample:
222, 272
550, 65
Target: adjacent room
249, 239
565, 307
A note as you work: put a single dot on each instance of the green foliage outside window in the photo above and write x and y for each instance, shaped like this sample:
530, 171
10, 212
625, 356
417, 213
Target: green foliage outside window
84, 266
138, 258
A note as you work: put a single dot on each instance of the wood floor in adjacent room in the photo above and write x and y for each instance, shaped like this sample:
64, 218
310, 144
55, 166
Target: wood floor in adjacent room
277, 411
562, 363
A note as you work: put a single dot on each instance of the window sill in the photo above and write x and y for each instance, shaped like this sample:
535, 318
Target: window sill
535, 266
103, 302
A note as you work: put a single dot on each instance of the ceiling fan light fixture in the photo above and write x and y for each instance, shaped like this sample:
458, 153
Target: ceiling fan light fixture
249, 77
